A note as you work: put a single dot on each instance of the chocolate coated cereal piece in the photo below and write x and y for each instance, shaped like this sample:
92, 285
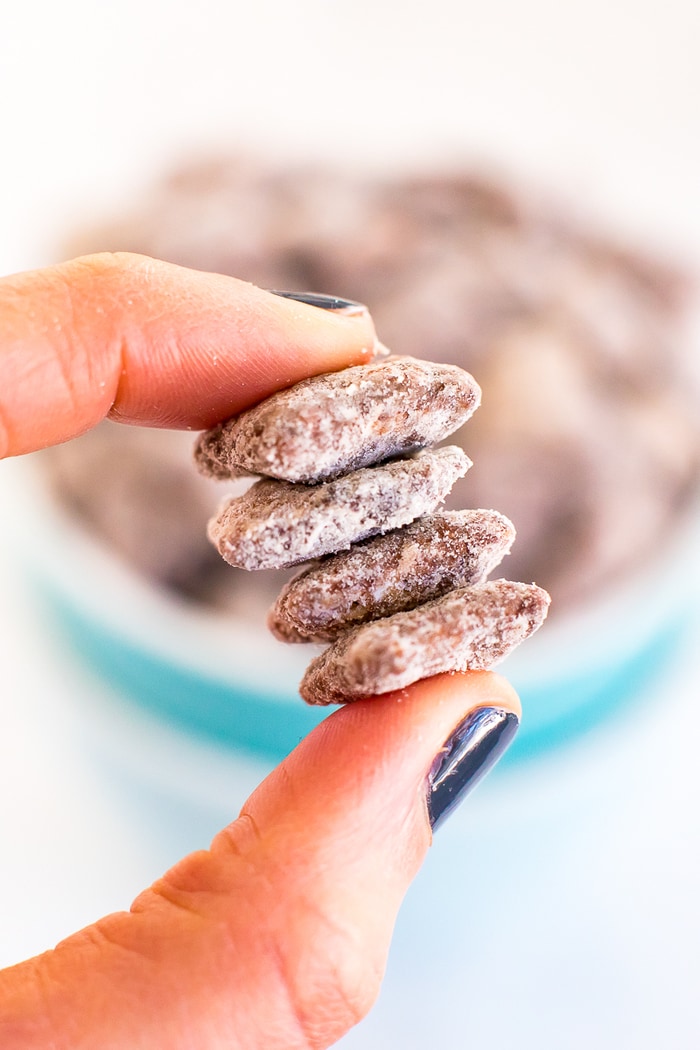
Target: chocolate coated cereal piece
391, 573
330, 424
275, 523
468, 629
211, 454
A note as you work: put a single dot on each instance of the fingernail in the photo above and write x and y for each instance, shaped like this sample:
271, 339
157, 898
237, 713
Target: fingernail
466, 756
324, 302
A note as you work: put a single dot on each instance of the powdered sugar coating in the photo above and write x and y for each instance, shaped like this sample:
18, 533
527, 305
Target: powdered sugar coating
276, 523
471, 628
331, 424
391, 573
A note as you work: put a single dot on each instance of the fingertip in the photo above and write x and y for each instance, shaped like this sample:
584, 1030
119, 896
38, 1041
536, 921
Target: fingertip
477, 689
370, 757
154, 344
220, 345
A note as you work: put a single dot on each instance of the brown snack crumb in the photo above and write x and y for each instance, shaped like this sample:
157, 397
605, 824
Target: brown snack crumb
276, 523
472, 628
331, 424
391, 573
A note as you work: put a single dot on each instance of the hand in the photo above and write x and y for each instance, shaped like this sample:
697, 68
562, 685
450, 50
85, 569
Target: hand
275, 937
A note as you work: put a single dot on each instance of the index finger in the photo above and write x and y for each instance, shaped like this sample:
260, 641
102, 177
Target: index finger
147, 342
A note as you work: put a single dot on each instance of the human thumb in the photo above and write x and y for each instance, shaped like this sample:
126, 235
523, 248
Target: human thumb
276, 936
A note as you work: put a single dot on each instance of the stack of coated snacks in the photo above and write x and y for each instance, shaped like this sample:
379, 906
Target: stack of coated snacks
349, 482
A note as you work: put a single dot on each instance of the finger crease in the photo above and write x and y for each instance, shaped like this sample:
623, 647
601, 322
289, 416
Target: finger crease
121, 372
281, 965
100, 935
181, 902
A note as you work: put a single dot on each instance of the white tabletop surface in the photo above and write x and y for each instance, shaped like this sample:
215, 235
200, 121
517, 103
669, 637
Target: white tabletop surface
560, 910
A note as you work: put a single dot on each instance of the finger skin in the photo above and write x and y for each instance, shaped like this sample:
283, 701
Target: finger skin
276, 937
146, 342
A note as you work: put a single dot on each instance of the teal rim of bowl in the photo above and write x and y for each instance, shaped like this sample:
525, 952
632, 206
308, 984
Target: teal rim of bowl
270, 724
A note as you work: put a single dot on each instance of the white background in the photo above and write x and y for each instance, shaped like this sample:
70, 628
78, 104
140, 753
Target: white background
598, 97
561, 911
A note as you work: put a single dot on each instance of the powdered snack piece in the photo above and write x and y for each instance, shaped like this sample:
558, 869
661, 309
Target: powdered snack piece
276, 523
331, 424
471, 628
391, 573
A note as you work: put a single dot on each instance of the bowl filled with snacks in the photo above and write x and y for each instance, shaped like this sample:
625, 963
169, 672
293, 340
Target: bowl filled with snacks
346, 494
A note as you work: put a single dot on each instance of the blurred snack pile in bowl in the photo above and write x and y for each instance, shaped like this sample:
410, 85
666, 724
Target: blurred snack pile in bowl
587, 438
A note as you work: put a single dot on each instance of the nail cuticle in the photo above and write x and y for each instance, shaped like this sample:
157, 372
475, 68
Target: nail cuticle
471, 750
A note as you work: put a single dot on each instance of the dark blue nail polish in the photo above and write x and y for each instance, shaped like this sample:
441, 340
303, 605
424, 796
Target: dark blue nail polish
466, 756
324, 302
